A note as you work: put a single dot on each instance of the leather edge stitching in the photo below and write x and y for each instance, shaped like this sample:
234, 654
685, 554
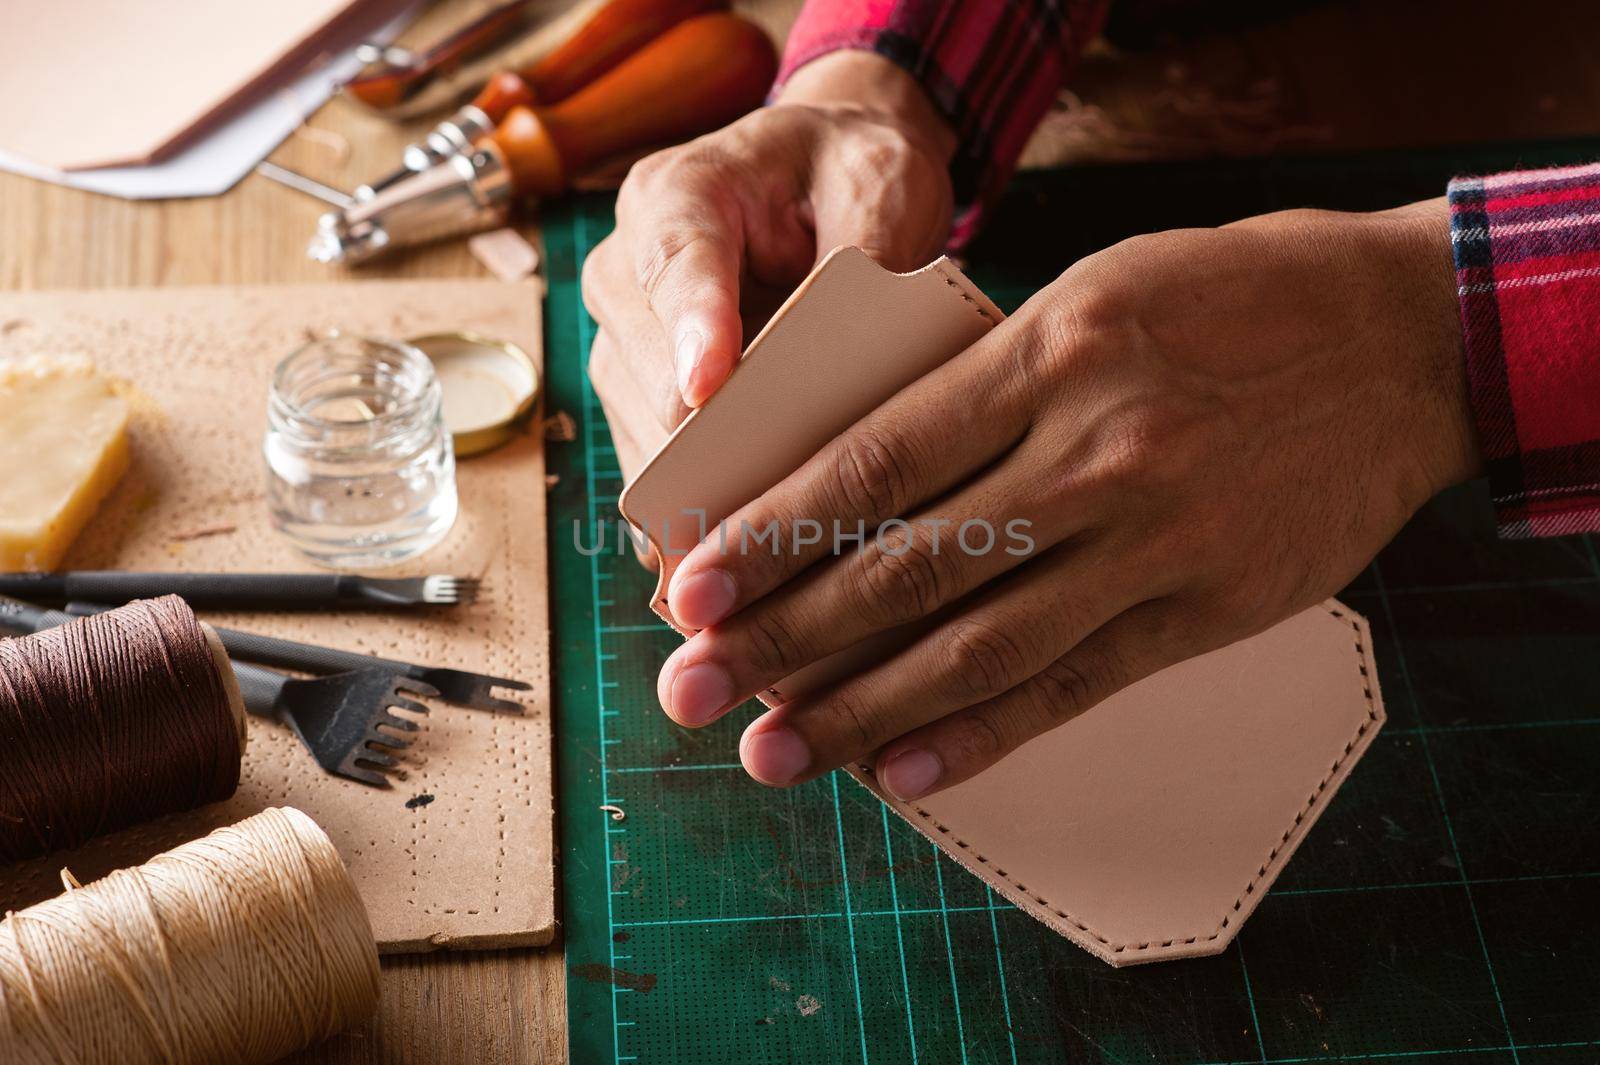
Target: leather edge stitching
1362, 659
964, 294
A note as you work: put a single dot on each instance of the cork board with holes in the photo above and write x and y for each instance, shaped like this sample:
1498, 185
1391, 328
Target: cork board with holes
459, 853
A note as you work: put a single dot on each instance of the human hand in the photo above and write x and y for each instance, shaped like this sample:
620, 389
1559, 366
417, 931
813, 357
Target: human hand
1206, 432
851, 153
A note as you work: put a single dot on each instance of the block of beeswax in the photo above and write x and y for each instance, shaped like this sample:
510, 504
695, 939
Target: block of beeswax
63, 445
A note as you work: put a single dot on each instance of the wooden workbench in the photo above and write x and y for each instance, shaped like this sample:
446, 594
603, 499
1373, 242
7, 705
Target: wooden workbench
1294, 86
480, 1007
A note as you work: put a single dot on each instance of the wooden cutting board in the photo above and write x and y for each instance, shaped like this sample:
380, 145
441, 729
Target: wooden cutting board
458, 854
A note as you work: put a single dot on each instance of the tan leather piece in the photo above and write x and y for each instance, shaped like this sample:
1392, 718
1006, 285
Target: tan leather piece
822, 365
1145, 829
112, 83
1150, 827
472, 865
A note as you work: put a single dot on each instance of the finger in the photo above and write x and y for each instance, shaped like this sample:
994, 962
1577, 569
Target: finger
1138, 643
983, 651
906, 572
686, 238
638, 357
635, 432
927, 439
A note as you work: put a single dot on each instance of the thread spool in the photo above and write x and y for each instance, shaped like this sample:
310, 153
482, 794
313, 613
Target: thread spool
111, 720
240, 947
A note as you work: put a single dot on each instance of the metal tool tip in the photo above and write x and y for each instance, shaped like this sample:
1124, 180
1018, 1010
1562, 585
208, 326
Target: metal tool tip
444, 589
325, 247
412, 686
339, 240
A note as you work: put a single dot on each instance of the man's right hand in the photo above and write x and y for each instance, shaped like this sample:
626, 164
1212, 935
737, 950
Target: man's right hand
852, 153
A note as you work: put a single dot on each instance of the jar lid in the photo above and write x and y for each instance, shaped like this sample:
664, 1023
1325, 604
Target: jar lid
489, 387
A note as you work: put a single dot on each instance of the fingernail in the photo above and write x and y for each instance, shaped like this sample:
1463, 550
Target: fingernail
911, 773
775, 755
703, 598
691, 349
700, 692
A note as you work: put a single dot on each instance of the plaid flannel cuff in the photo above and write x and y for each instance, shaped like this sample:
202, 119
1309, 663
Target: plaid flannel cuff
1527, 251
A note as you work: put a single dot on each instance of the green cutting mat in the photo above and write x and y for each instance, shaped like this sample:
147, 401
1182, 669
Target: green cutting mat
1445, 909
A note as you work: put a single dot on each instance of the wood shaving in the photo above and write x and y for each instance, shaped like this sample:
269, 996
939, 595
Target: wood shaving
505, 253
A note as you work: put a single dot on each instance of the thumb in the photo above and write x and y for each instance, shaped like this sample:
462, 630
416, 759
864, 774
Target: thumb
688, 251
697, 301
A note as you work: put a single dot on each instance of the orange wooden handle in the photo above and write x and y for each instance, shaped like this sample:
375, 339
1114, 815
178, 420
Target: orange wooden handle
503, 92
699, 75
617, 31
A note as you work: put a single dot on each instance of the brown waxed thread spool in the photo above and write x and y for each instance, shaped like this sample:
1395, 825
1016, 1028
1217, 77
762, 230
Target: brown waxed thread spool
240, 947
111, 720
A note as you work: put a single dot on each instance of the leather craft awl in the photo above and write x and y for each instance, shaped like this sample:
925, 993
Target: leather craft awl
1145, 829
697, 76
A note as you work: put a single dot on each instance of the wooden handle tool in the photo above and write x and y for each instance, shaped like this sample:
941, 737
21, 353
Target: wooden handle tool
617, 31
699, 75
402, 72
601, 38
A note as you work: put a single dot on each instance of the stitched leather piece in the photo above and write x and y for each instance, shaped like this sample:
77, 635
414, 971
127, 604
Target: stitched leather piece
1148, 828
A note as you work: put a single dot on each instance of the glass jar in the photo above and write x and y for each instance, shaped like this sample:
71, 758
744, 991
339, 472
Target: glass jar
360, 471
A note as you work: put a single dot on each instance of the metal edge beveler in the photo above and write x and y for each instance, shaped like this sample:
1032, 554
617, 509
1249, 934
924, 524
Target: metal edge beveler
461, 194
454, 136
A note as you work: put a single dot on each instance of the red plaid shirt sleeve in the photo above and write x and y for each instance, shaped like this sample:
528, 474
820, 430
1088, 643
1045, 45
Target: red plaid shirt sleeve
991, 67
1527, 248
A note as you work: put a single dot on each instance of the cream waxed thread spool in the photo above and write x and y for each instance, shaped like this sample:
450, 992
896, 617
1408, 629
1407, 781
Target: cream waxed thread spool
111, 720
240, 947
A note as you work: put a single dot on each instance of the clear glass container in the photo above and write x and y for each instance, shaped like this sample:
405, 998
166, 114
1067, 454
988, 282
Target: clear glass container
360, 471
